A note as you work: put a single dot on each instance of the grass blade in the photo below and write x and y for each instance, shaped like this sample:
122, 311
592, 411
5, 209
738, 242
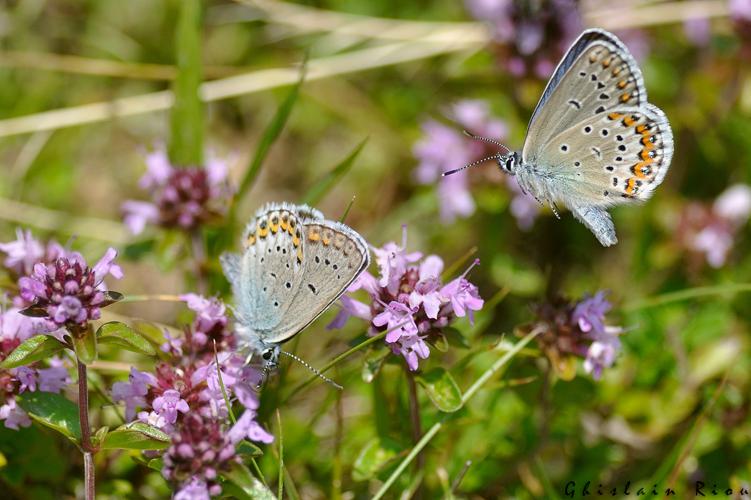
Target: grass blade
270, 135
324, 185
423, 442
186, 142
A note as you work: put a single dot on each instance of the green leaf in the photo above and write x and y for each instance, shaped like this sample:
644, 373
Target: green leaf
186, 141
373, 364
33, 349
241, 477
270, 135
85, 346
248, 449
455, 337
53, 411
376, 454
441, 389
136, 436
124, 336
320, 188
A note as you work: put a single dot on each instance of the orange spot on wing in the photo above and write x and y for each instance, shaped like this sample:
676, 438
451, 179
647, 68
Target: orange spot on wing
630, 184
615, 116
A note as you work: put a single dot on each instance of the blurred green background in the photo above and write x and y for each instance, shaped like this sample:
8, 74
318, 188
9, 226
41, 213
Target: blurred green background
673, 410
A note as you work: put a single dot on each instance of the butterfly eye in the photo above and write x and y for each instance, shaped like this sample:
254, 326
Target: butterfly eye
267, 354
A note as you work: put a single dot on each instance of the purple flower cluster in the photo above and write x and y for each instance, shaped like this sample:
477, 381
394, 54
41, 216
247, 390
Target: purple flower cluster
14, 329
444, 148
184, 398
530, 37
709, 230
409, 300
69, 291
180, 197
579, 330
740, 14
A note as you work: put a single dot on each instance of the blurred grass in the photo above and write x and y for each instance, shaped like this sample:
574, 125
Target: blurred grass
687, 323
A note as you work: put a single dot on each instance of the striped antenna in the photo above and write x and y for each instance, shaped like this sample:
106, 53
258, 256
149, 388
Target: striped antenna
319, 374
474, 163
485, 139
496, 156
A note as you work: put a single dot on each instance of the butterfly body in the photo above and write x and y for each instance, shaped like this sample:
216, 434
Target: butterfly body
294, 265
594, 141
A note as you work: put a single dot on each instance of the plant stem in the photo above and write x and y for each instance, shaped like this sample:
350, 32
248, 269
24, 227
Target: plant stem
467, 396
83, 415
414, 414
199, 256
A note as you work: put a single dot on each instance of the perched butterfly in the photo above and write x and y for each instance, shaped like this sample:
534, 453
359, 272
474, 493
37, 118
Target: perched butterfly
295, 264
593, 141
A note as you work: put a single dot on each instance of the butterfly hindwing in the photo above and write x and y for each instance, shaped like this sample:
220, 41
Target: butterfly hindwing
334, 256
610, 158
596, 75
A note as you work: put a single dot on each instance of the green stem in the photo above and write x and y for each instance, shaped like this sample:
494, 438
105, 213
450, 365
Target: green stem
88, 448
337, 360
687, 294
465, 398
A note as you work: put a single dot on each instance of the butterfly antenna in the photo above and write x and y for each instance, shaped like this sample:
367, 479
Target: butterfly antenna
474, 163
319, 374
485, 139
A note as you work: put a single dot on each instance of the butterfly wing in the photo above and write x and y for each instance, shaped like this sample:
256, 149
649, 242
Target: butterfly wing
610, 158
597, 74
594, 141
334, 256
270, 269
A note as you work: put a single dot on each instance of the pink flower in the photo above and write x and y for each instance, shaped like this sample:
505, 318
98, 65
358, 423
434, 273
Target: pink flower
600, 355
68, 290
22, 253
392, 260
13, 415
168, 404
412, 348
463, 295
409, 301
54, 378
193, 490
181, 197
590, 312
27, 377
134, 391
247, 427
398, 318
444, 148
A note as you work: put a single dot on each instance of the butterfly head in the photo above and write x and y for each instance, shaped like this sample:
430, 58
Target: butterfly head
508, 162
270, 356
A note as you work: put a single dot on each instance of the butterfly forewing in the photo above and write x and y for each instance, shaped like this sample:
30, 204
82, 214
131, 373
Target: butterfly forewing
334, 256
597, 75
271, 267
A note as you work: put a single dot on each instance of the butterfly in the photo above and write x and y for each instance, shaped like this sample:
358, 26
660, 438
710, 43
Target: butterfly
294, 265
593, 141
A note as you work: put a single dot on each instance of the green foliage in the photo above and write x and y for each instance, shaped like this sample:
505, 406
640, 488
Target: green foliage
54, 411
31, 350
136, 436
186, 140
123, 336
674, 407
